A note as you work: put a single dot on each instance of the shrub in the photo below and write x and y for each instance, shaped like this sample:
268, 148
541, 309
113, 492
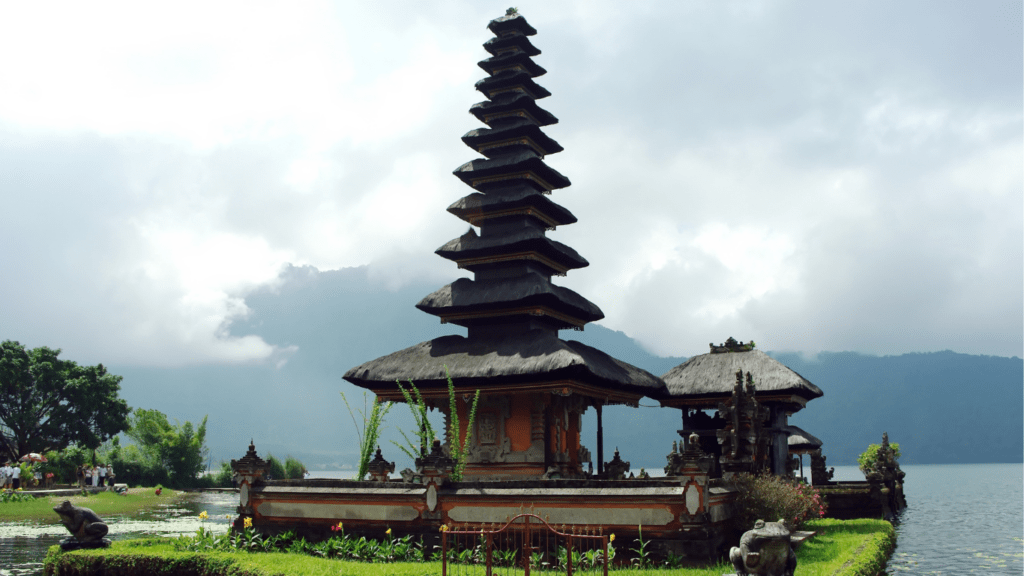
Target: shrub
293, 469
223, 477
867, 460
275, 468
770, 498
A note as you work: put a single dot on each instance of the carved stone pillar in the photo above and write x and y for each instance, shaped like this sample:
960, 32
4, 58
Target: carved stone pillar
250, 469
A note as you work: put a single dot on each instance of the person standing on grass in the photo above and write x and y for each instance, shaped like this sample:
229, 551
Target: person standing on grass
5, 475
110, 474
95, 476
103, 474
16, 477
80, 475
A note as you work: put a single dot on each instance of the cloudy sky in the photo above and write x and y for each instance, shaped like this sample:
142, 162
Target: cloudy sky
840, 176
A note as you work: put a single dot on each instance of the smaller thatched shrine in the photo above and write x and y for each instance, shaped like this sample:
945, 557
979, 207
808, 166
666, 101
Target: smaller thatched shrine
706, 382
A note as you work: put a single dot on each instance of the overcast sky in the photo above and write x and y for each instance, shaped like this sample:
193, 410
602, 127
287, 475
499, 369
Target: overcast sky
841, 176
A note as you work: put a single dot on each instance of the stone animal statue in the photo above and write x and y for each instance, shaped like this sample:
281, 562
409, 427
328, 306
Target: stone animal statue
84, 524
764, 550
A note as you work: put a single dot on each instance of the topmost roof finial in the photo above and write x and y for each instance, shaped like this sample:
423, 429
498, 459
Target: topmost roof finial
513, 11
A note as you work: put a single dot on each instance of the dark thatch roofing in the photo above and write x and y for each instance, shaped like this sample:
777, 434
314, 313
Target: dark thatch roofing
469, 245
517, 128
715, 375
516, 39
506, 59
518, 196
532, 356
513, 22
509, 101
526, 290
802, 441
507, 164
511, 79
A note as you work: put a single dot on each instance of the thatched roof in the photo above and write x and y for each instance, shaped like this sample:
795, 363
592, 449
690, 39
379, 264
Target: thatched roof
528, 357
515, 128
517, 39
802, 441
507, 59
511, 79
512, 21
714, 375
510, 197
526, 290
526, 160
470, 245
510, 101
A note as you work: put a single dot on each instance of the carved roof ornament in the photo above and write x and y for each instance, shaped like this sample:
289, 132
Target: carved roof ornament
731, 345
379, 468
249, 462
617, 468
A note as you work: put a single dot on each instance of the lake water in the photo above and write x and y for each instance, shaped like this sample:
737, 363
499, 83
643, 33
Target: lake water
962, 519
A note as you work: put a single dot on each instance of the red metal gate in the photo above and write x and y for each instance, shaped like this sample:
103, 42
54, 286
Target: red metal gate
526, 542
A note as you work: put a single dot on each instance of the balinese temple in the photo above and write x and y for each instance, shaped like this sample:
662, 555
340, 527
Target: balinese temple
534, 386
705, 382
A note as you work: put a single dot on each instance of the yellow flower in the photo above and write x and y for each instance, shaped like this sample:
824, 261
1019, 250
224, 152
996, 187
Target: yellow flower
247, 523
443, 528
611, 538
388, 532
228, 516
203, 515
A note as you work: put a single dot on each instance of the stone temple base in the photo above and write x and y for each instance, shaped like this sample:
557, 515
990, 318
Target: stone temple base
69, 544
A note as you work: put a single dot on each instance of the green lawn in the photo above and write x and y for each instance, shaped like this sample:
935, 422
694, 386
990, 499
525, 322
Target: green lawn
846, 547
102, 503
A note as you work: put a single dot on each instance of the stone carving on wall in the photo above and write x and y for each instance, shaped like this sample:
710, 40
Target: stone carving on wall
744, 442
617, 468
820, 476
379, 468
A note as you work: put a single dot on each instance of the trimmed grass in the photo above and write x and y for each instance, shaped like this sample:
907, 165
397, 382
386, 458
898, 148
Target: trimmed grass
846, 547
102, 503
841, 547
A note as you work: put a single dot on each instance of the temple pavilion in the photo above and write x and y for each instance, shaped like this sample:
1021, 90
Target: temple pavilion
705, 382
534, 386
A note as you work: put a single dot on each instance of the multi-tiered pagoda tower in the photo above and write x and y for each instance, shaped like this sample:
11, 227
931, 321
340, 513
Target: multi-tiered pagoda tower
534, 386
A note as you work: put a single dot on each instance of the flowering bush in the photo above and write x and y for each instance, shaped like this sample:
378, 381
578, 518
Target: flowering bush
770, 498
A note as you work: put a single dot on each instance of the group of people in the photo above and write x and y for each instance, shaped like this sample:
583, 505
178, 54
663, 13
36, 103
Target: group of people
11, 476
99, 475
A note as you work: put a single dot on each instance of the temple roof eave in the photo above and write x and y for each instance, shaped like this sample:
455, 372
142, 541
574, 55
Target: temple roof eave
536, 357
477, 206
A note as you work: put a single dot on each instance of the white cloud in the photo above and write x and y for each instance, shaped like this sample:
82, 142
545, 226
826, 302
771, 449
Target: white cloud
827, 181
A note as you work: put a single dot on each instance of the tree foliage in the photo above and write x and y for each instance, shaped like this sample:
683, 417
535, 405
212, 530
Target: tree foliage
47, 403
179, 448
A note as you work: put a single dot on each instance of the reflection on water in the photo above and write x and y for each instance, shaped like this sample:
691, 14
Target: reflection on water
23, 544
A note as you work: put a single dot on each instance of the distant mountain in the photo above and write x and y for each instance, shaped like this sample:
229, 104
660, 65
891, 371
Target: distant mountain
941, 407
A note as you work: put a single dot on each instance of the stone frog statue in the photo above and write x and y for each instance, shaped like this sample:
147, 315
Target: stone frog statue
84, 524
764, 550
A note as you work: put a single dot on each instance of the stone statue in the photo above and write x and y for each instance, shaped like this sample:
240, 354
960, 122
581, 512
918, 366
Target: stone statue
86, 527
764, 550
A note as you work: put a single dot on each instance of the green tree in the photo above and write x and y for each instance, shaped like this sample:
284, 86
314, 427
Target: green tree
181, 448
48, 403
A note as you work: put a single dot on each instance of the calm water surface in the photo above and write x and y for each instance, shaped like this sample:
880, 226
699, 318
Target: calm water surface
962, 519
23, 544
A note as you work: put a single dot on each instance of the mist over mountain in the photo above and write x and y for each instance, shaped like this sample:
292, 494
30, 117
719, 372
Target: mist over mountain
941, 407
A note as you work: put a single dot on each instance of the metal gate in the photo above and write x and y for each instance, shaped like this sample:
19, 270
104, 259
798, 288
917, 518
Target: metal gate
525, 544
